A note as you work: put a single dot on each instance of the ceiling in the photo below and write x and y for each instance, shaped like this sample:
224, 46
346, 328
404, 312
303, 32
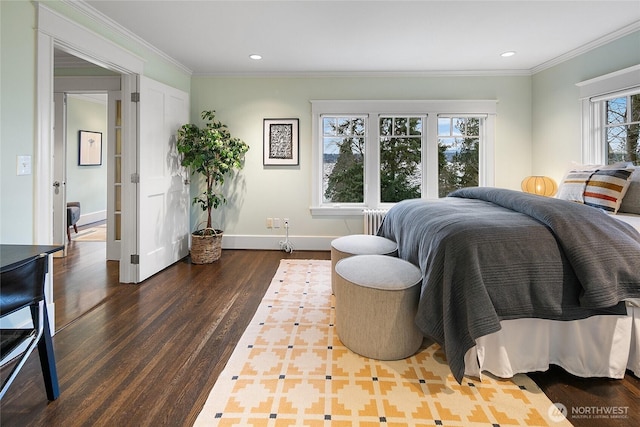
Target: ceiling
320, 37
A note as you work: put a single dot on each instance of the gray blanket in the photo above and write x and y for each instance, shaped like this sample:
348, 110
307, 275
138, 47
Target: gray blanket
490, 254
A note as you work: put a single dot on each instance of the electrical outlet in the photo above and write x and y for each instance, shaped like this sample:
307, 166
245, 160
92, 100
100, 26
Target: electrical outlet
276, 222
287, 224
269, 222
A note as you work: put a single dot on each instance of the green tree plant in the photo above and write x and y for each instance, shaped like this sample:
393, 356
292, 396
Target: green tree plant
212, 152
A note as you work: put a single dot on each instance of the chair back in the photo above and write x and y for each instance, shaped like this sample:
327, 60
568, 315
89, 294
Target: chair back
22, 285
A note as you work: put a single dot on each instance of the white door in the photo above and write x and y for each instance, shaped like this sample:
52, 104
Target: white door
114, 175
163, 196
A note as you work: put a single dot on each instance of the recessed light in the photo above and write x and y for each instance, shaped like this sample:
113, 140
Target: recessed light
255, 56
507, 54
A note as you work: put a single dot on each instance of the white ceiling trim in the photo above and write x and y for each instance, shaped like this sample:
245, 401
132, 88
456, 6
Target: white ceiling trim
589, 46
113, 25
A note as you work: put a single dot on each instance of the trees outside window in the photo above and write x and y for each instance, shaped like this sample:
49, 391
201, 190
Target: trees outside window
458, 153
400, 158
343, 159
622, 126
371, 154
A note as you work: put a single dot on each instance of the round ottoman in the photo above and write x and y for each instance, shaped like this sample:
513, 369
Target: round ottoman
376, 304
359, 244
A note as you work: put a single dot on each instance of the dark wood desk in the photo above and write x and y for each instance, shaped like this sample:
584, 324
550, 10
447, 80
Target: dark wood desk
14, 255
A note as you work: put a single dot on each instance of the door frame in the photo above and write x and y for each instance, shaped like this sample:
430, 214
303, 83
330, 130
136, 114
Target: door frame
57, 31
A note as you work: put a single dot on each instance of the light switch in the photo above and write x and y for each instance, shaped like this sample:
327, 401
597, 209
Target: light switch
24, 165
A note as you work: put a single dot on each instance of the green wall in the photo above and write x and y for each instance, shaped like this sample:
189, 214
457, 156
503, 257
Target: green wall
86, 184
17, 118
243, 102
18, 103
557, 107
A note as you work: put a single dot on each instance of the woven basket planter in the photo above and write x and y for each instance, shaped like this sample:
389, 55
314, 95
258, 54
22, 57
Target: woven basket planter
206, 246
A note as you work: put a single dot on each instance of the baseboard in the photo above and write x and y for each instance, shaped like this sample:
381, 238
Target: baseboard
300, 243
91, 217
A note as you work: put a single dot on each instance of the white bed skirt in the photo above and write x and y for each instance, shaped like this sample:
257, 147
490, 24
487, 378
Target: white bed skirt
599, 346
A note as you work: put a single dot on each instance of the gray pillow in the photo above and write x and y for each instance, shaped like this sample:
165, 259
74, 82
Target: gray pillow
631, 200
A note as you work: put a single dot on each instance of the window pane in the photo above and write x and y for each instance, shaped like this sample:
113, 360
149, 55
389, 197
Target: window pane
415, 126
622, 129
616, 110
401, 159
400, 126
635, 108
444, 126
385, 126
343, 159
458, 157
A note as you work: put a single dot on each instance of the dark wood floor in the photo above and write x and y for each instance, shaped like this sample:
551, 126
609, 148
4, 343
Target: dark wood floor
149, 354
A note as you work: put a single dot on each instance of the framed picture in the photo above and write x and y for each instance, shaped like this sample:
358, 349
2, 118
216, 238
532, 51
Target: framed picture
90, 148
281, 142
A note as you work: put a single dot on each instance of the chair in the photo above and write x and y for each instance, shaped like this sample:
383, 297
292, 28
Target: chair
22, 287
73, 215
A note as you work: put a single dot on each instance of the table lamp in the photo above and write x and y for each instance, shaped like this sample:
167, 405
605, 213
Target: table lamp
540, 185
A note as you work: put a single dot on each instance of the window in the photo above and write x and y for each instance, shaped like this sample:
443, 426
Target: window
458, 153
343, 141
611, 117
400, 158
375, 153
621, 126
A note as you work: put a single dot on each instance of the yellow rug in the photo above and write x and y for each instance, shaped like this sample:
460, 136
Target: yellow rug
93, 234
290, 369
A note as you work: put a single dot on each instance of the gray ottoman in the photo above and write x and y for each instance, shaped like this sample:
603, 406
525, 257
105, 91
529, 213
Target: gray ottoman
376, 303
359, 244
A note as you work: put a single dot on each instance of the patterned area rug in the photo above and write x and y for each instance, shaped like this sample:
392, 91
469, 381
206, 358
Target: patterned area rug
290, 369
93, 234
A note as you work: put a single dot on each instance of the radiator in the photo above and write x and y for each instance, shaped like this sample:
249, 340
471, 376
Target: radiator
372, 220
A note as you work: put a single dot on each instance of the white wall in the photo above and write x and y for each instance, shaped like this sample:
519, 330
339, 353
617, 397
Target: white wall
87, 184
242, 103
556, 104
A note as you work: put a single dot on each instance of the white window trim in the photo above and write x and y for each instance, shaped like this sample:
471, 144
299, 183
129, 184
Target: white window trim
618, 83
375, 108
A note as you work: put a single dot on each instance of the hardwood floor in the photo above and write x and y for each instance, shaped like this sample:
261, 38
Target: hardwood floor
148, 354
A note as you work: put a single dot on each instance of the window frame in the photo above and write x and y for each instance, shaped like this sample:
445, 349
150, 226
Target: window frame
431, 109
593, 93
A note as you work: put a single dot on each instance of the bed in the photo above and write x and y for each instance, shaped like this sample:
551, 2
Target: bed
514, 282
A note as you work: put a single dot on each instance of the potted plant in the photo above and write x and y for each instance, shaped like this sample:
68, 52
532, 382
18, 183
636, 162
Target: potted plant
212, 152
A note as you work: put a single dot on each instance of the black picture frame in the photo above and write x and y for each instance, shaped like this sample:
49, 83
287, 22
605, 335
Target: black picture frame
281, 142
89, 148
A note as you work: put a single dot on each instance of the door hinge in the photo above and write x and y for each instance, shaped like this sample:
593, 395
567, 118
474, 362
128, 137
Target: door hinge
135, 178
135, 259
135, 96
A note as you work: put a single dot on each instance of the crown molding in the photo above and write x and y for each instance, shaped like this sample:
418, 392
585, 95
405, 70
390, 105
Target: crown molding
624, 31
87, 10
364, 74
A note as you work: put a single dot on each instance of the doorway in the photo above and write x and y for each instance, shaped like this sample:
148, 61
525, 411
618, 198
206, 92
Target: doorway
83, 181
87, 106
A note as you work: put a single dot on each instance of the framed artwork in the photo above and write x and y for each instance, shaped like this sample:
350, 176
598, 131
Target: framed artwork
90, 148
281, 142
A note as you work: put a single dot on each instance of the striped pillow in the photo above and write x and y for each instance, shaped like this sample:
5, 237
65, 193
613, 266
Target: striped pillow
606, 188
573, 184
631, 201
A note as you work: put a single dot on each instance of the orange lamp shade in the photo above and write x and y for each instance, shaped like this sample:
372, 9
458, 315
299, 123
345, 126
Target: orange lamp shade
541, 185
